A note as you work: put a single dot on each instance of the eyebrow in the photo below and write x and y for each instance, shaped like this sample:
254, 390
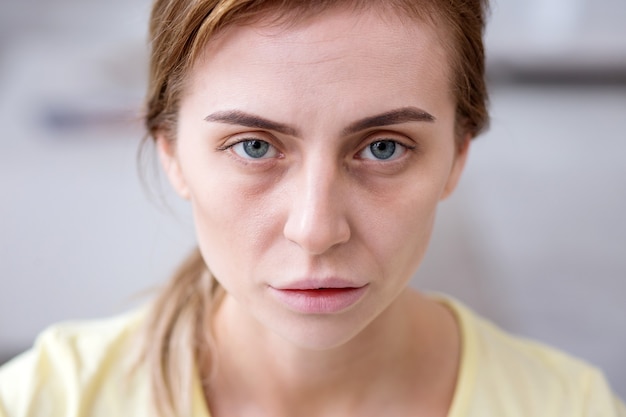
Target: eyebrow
392, 117
236, 117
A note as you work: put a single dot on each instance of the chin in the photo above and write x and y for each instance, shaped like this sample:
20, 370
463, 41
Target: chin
320, 332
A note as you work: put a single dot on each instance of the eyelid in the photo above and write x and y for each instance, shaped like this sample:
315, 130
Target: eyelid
240, 138
398, 138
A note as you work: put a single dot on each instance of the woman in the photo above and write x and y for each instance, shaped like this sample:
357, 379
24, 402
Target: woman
313, 141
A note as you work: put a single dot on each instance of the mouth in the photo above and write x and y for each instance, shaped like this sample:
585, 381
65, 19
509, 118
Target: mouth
318, 298
320, 284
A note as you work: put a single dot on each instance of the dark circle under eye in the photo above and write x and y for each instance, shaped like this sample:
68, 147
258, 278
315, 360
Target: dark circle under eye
256, 148
383, 149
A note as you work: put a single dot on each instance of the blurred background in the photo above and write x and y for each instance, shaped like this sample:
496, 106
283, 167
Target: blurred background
535, 238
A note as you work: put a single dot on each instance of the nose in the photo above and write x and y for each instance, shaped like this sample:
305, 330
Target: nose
317, 218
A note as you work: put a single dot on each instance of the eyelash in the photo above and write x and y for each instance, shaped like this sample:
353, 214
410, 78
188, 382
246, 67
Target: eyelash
358, 154
392, 158
243, 141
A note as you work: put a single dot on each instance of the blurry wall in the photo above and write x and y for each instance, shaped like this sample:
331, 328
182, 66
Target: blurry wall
534, 238
80, 235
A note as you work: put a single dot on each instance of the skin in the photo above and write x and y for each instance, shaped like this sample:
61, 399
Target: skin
319, 204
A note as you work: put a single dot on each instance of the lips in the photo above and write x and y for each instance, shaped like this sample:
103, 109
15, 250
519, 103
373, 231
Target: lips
317, 284
319, 296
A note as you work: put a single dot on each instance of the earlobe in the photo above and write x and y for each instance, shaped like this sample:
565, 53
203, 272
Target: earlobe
171, 166
457, 167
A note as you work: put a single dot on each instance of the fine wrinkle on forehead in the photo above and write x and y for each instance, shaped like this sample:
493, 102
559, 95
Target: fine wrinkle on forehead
331, 52
289, 26
270, 21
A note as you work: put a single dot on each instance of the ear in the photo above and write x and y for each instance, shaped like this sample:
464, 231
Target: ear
169, 161
457, 167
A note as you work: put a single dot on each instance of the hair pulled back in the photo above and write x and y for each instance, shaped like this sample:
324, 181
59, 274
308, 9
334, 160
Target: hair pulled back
177, 338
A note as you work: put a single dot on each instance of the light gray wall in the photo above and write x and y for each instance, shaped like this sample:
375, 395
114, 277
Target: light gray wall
535, 237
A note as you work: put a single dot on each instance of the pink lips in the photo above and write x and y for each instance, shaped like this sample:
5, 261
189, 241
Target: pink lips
319, 296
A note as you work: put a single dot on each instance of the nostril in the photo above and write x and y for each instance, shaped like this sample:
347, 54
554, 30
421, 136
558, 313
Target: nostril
317, 220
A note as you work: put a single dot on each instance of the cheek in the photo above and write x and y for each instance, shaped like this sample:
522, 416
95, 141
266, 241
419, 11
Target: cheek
398, 223
228, 216
401, 233
234, 226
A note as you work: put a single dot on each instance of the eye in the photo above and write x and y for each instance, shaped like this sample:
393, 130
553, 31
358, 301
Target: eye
383, 150
254, 149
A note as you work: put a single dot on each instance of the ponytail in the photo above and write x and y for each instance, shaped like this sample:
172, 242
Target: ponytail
177, 336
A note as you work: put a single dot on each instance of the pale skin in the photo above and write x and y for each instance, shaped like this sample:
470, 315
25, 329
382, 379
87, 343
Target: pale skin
321, 151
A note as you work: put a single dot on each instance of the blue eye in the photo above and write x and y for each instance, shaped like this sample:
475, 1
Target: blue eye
383, 150
254, 149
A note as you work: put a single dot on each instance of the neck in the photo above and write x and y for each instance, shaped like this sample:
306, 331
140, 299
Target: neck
405, 354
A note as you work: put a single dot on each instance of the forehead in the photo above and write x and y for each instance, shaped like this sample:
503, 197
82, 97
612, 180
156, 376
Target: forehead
367, 30
364, 54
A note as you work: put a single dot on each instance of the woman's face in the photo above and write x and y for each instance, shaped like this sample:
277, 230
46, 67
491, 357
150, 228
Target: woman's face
314, 157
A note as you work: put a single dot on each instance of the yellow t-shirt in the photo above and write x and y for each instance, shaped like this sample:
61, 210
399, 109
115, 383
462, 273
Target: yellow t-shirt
81, 369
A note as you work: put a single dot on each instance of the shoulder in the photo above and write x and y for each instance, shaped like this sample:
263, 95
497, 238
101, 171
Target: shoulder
506, 375
73, 366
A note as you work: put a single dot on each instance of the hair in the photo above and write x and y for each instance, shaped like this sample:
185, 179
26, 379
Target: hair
177, 338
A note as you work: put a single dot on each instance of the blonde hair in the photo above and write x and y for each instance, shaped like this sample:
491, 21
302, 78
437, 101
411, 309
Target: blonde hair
177, 334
